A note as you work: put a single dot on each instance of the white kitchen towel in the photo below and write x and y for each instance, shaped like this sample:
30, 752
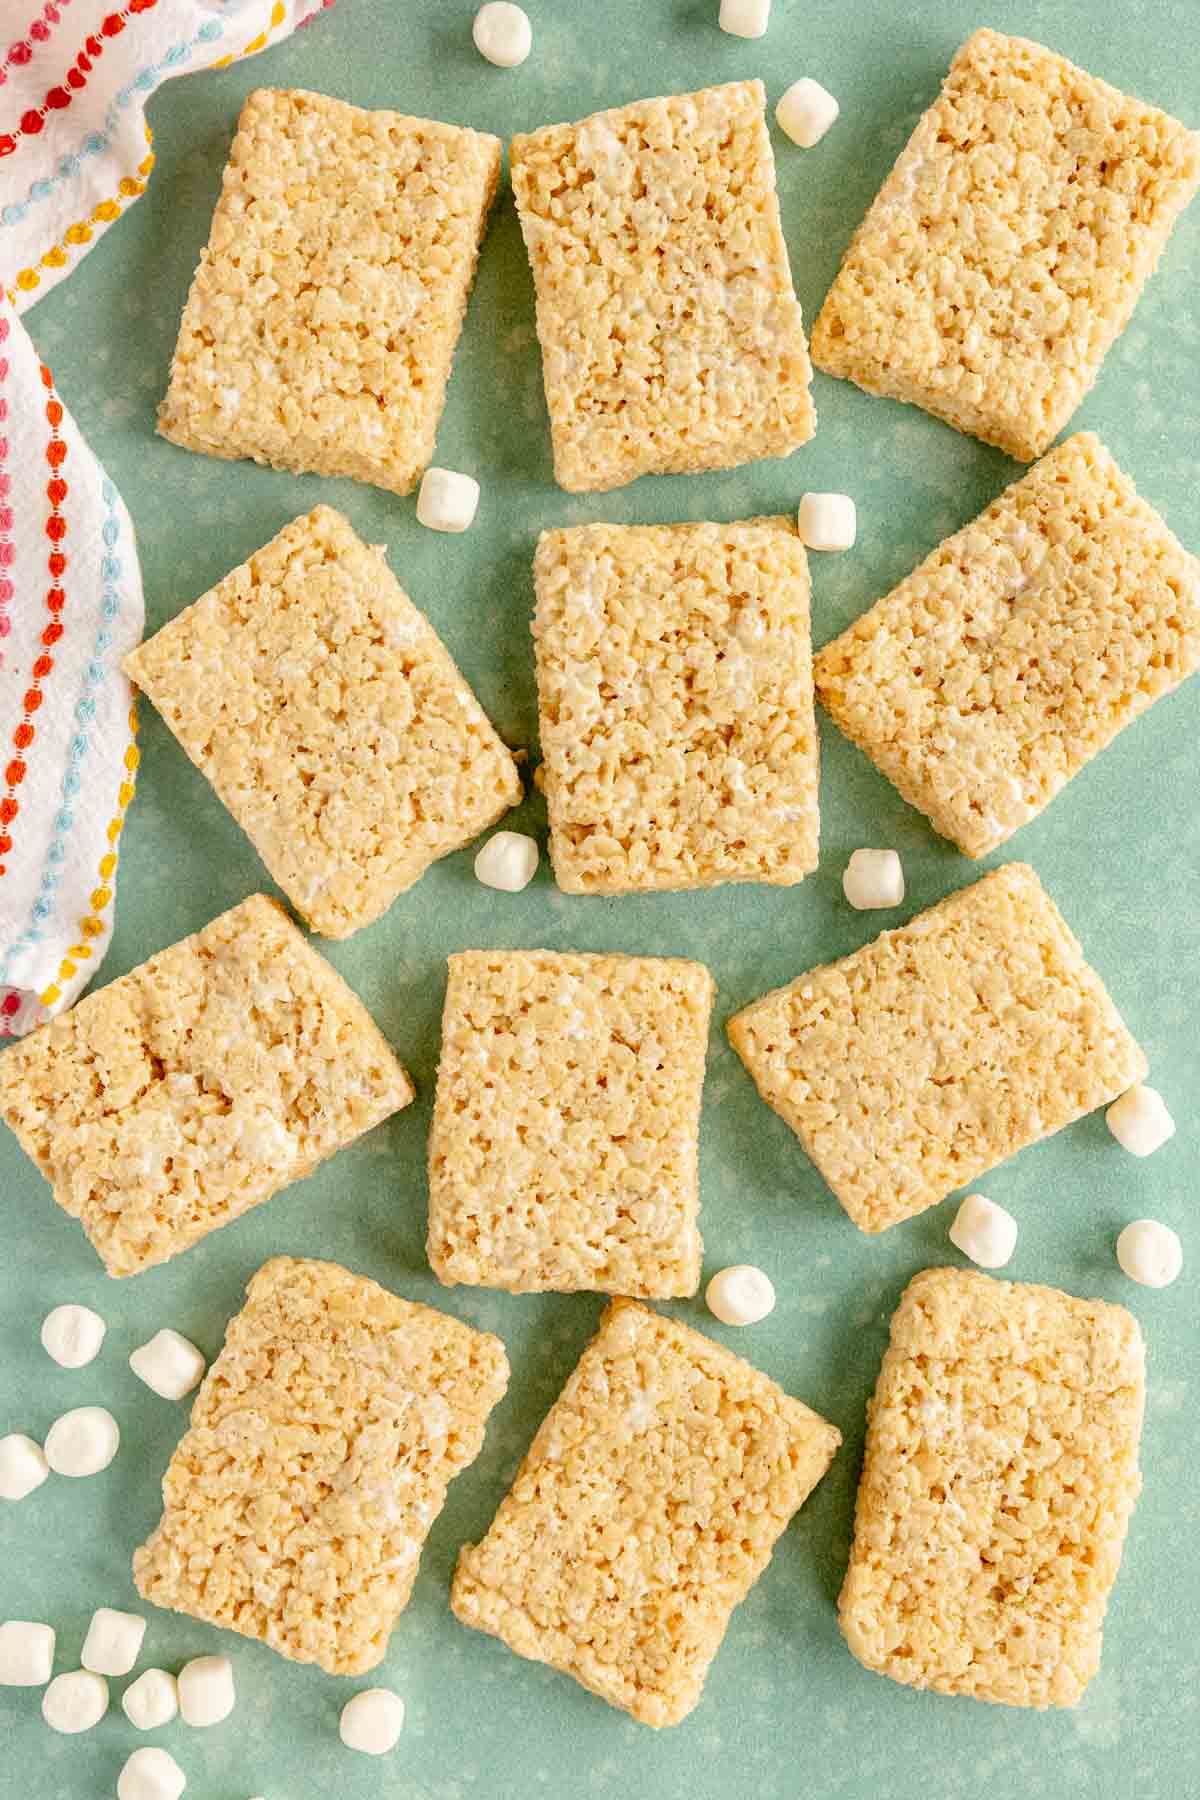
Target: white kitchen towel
74, 154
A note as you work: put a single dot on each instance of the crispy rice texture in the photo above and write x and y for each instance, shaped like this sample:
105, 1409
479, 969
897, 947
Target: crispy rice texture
320, 1449
646, 1509
1001, 1472
671, 335
322, 320
1007, 249
675, 705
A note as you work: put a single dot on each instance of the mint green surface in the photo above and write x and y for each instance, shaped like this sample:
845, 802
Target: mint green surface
787, 1712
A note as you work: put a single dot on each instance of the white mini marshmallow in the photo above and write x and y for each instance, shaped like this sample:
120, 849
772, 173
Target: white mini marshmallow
984, 1232
740, 1295
83, 1441
206, 1693
23, 1466
1150, 1253
151, 1775
75, 1702
151, 1700
72, 1335
873, 878
1139, 1120
26, 1653
169, 1364
745, 18
113, 1642
806, 112
503, 34
827, 521
372, 1721
508, 861
447, 500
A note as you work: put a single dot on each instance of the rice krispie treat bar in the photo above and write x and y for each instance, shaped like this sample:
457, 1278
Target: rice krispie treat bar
1006, 251
671, 335
563, 1149
1019, 648
674, 670
331, 720
927, 1057
198, 1085
323, 318
320, 1449
646, 1509
1001, 1472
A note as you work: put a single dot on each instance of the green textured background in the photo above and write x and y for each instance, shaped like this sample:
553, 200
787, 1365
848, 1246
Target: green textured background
786, 1712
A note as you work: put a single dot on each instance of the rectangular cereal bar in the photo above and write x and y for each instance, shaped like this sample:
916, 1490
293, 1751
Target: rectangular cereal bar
331, 720
928, 1056
1019, 648
674, 668
1007, 249
1001, 1472
563, 1149
198, 1085
671, 335
321, 1445
322, 320
644, 1512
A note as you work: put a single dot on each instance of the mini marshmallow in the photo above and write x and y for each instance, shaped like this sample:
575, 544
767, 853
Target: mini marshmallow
151, 1700
1139, 1120
827, 521
113, 1642
745, 18
740, 1295
151, 1775
502, 34
984, 1232
23, 1466
806, 112
72, 1335
508, 861
75, 1702
26, 1653
82, 1442
372, 1721
1150, 1253
447, 500
206, 1693
169, 1364
873, 878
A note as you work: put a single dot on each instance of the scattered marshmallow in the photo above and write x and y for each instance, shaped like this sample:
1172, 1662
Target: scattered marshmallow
1150, 1253
113, 1642
873, 878
169, 1364
151, 1775
151, 1700
508, 861
827, 521
503, 34
806, 112
26, 1653
75, 1702
447, 500
984, 1231
372, 1721
745, 18
1139, 1120
206, 1693
23, 1466
72, 1335
82, 1442
740, 1295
